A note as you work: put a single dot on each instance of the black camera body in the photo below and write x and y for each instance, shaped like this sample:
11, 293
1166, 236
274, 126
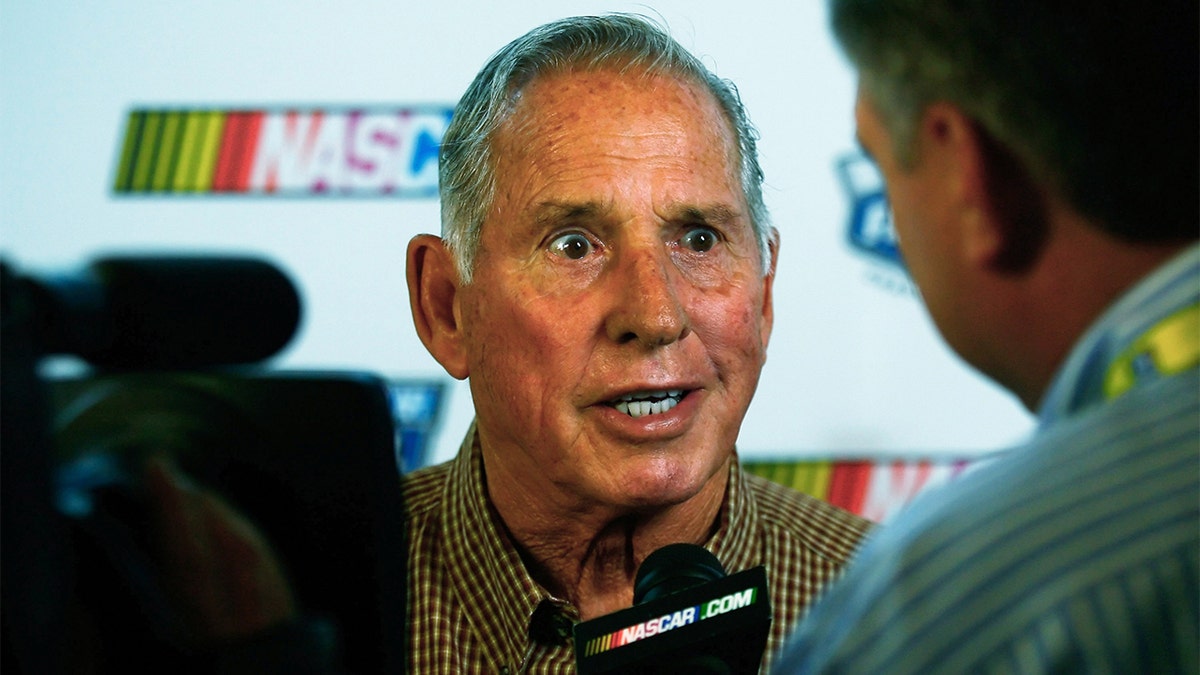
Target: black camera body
309, 457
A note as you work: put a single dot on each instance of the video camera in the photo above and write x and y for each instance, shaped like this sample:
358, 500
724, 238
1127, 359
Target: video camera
174, 347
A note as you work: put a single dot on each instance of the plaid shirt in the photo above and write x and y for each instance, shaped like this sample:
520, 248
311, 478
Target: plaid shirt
474, 608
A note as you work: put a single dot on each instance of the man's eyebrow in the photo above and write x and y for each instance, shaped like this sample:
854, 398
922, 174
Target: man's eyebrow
714, 214
551, 212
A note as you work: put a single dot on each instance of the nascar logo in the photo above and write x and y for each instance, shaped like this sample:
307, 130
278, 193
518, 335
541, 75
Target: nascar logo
287, 152
668, 622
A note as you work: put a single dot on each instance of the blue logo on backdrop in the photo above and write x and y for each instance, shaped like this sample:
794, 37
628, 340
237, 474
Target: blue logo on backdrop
870, 228
416, 408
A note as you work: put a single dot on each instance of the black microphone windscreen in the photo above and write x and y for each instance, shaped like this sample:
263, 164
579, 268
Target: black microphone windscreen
175, 312
673, 568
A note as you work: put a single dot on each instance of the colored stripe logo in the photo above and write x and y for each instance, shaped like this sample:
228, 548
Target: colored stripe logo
293, 152
876, 490
682, 617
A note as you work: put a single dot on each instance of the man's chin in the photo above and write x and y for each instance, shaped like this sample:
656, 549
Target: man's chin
664, 485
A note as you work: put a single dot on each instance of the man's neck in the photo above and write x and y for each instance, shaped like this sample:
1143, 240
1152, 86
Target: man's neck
589, 553
1081, 273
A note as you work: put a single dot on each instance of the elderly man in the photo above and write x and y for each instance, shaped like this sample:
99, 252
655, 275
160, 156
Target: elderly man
604, 281
1040, 159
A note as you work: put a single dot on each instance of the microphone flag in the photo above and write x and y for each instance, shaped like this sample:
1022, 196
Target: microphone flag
719, 626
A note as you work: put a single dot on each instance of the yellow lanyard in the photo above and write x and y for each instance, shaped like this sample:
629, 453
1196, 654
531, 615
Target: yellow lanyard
1167, 348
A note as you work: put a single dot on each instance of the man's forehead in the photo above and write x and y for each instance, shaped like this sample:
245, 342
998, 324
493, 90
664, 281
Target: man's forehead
602, 78
620, 92
573, 153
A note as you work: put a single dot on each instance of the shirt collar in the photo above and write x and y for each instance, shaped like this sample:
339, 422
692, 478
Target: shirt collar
733, 541
483, 562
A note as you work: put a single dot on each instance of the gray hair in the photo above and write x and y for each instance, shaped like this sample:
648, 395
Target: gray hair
466, 166
1098, 102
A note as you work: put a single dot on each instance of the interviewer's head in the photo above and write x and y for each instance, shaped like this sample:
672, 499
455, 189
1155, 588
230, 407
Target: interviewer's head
1040, 158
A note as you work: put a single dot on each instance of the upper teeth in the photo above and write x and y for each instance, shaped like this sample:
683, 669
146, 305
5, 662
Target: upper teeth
648, 403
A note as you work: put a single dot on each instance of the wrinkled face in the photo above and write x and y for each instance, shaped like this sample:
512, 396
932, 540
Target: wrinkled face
618, 315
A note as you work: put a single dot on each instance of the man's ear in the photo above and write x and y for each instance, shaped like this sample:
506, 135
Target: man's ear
432, 294
768, 308
1001, 207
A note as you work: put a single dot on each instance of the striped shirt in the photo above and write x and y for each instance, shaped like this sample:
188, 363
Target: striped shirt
1077, 552
474, 608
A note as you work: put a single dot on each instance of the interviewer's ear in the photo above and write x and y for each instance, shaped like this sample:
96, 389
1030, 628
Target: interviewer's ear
1017, 205
432, 294
1001, 207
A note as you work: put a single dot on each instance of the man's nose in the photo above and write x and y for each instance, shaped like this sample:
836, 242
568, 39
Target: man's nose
646, 296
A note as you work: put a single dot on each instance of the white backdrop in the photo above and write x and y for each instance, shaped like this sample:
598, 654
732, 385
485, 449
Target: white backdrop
854, 365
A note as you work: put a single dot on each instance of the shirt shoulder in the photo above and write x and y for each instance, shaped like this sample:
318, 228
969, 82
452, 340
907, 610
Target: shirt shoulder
829, 531
424, 489
1069, 543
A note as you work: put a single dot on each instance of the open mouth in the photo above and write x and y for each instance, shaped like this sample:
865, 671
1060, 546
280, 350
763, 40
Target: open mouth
642, 403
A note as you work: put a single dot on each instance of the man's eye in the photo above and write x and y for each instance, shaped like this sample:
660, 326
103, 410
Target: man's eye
573, 245
700, 239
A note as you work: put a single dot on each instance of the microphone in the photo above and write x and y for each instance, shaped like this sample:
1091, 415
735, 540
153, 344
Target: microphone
165, 312
688, 616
